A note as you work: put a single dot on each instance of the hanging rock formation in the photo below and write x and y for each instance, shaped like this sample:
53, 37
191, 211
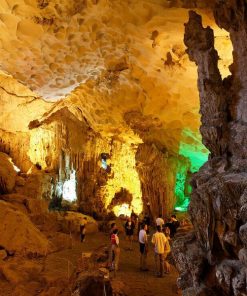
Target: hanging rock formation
212, 261
93, 77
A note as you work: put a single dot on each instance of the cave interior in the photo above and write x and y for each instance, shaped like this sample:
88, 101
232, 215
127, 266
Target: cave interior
109, 108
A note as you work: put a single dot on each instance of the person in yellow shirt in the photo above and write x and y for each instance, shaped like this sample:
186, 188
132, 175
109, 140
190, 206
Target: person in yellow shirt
159, 241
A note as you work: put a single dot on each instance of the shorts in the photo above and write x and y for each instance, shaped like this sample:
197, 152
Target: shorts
142, 248
129, 232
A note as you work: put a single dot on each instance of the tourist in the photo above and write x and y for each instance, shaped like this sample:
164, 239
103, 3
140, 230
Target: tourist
173, 225
167, 232
115, 250
83, 229
143, 242
175, 222
159, 240
159, 221
147, 221
167, 249
110, 259
129, 231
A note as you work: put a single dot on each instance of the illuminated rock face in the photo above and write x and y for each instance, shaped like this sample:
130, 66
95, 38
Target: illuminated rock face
212, 261
79, 79
157, 180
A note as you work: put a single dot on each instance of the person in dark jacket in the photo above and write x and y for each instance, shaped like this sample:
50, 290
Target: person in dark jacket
129, 231
173, 225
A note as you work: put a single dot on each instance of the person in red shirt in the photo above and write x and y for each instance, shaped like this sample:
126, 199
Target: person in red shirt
115, 250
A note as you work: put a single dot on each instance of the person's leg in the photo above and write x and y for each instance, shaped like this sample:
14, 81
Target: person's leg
113, 257
161, 259
110, 256
166, 263
141, 256
145, 259
156, 258
141, 261
82, 237
167, 267
131, 242
117, 254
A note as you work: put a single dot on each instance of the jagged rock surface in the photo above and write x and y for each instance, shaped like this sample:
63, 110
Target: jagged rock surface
7, 174
218, 200
95, 77
157, 180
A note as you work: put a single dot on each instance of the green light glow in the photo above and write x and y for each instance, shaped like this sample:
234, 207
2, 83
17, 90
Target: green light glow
195, 155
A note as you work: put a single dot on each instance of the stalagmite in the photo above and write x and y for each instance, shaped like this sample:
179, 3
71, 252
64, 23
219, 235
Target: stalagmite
111, 109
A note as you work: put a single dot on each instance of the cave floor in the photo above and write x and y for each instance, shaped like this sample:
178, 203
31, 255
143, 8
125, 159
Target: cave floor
58, 266
138, 283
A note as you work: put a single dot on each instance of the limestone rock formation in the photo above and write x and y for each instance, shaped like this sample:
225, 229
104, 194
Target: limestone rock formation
101, 77
75, 219
214, 261
7, 174
157, 179
19, 235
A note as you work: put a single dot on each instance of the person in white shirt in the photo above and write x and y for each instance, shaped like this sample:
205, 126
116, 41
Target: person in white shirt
143, 242
159, 221
159, 240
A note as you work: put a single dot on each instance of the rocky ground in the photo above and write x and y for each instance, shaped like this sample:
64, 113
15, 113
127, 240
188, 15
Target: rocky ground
73, 266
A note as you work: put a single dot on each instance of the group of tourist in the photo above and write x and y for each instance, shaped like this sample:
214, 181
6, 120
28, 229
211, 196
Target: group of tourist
160, 240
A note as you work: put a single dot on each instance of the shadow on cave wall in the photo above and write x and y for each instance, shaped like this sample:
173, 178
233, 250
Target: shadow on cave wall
121, 197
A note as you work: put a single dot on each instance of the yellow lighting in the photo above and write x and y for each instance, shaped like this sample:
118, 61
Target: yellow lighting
42, 146
123, 209
124, 176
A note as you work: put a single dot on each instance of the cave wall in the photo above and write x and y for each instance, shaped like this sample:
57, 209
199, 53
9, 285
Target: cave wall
121, 90
213, 259
59, 144
157, 175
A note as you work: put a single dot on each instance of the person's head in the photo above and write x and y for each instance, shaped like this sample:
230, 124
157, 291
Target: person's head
166, 230
115, 231
159, 229
113, 225
173, 217
144, 227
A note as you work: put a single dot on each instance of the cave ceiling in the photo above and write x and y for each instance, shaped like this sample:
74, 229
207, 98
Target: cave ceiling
120, 65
